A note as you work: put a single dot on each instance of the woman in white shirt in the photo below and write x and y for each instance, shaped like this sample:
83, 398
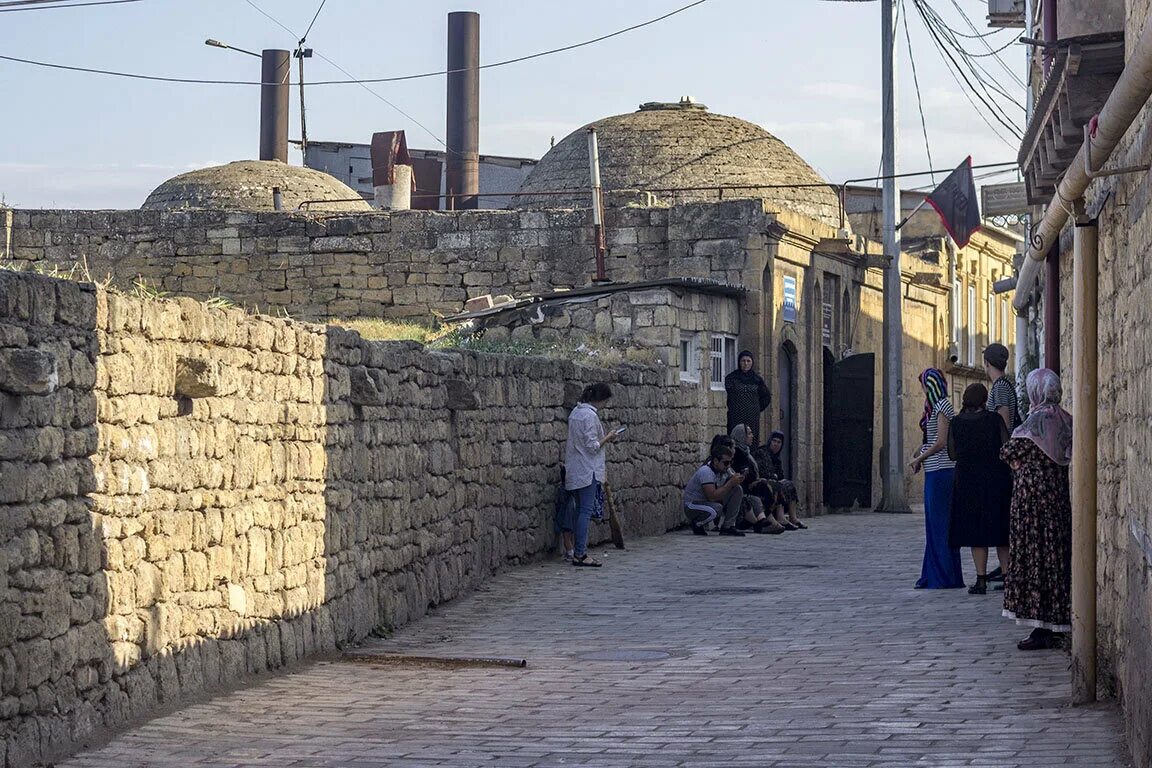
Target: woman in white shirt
584, 463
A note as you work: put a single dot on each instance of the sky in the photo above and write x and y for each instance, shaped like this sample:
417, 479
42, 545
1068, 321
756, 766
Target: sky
808, 71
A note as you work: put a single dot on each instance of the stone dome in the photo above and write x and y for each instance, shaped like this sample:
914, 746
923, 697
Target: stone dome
672, 146
246, 185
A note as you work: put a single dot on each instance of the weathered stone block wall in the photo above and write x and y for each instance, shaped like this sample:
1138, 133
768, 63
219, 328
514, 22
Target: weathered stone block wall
192, 494
644, 324
1124, 567
381, 264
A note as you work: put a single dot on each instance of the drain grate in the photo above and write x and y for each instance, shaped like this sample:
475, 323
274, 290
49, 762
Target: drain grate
729, 591
623, 655
775, 566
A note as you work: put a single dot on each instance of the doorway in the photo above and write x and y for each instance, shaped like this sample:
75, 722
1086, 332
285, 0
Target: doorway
849, 389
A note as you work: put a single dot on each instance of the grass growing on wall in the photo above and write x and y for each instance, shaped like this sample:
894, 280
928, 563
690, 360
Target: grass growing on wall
376, 329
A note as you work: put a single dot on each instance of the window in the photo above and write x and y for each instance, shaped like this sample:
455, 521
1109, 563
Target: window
723, 359
1006, 321
970, 326
957, 317
993, 328
689, 358
828, 311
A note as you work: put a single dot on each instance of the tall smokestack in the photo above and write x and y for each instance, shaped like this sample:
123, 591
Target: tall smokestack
462, 163
274, 68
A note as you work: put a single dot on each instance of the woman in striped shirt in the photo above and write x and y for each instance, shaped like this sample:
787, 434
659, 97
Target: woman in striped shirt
941, 569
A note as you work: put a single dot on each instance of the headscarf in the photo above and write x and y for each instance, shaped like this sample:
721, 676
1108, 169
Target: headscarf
1048, 425
739, 435
935, 390
774, 457
750, 376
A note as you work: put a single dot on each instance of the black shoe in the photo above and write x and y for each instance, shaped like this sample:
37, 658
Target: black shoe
1038, 640
731, 532
996, 575
980, 587
699, 530
798, 524
790, 526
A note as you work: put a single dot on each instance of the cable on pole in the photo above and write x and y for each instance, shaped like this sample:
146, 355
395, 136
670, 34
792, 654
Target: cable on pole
397, 79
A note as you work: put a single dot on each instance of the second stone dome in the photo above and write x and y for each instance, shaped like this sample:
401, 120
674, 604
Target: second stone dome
680, 146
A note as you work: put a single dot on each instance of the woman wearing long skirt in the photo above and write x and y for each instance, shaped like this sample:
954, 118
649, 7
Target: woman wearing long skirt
748, 395
941, 568
983, 483
1038, 586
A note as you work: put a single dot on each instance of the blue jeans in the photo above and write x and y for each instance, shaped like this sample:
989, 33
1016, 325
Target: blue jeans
585, 503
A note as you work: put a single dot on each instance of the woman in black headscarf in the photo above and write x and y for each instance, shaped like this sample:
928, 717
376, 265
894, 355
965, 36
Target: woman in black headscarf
748, 395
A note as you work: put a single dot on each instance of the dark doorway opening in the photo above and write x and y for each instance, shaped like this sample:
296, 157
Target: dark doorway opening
849, 391
786, 401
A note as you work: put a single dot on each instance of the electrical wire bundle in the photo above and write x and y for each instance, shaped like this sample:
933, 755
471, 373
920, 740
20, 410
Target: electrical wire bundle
995, 105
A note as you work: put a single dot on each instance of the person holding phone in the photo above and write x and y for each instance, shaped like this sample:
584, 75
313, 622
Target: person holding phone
713, 492
584, 463
941, 568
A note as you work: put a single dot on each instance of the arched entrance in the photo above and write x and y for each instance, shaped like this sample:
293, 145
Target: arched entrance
786, 402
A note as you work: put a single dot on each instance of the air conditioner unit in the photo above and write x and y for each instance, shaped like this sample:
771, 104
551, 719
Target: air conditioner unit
1006, 13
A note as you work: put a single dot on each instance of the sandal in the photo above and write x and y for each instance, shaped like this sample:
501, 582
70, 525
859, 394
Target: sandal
585, 562
798, 524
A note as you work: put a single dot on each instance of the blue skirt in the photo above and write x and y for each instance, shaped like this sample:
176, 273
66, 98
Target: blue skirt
941, 569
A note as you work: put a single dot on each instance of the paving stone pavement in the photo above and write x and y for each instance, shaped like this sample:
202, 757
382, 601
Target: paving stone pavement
806, 649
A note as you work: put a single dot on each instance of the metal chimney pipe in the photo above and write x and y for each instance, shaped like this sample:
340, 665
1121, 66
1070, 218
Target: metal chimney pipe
274, 69
462, 160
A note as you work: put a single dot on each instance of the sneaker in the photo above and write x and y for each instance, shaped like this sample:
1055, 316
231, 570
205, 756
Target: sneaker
699, 530
731, 532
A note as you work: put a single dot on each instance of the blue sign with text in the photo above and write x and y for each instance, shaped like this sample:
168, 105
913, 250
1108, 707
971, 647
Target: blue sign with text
789, 299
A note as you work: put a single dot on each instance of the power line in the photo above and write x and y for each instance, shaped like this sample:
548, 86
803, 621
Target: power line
280, 24
43, 5
200, 81
950, 35
313, 22
916, 83
984, 97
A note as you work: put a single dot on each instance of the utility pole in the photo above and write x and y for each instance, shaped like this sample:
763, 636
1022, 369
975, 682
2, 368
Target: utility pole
892, 496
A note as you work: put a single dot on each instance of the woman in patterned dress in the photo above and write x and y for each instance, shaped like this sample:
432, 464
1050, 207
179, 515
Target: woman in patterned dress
748, 395
1038, 588
941, 568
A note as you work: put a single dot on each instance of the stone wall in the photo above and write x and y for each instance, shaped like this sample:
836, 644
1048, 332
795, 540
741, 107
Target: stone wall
1124, 565
397, 264
189, 495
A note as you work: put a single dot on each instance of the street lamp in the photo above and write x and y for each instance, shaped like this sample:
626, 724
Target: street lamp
274, 69
218, 44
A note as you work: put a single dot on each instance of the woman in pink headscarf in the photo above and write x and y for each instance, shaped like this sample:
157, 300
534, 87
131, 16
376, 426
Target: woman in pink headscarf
1037, 589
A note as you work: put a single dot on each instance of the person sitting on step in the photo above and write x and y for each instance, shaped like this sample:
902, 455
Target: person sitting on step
758, 494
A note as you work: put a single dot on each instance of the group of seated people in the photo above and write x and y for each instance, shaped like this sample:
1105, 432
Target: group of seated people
742, 487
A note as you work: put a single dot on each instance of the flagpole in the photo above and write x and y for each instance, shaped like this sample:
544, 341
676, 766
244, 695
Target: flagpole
893, 497
915, 210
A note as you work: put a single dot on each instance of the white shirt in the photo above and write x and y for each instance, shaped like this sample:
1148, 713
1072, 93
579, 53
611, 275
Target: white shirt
583, 453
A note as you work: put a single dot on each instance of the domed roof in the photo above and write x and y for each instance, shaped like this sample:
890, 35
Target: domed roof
246, 185
672, 146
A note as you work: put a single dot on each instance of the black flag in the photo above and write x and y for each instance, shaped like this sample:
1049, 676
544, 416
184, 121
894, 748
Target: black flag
955, 200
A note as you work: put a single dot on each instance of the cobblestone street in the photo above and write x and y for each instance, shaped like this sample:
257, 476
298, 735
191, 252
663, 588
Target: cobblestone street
807, 649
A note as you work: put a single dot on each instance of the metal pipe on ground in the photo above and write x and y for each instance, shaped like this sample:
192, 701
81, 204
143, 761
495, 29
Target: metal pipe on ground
462, 138
274, 91
1128, 97
1085, 341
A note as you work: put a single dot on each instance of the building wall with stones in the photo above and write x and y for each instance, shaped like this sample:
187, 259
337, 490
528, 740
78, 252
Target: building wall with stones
190, 494
670, 326
1124, 448
414, 263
